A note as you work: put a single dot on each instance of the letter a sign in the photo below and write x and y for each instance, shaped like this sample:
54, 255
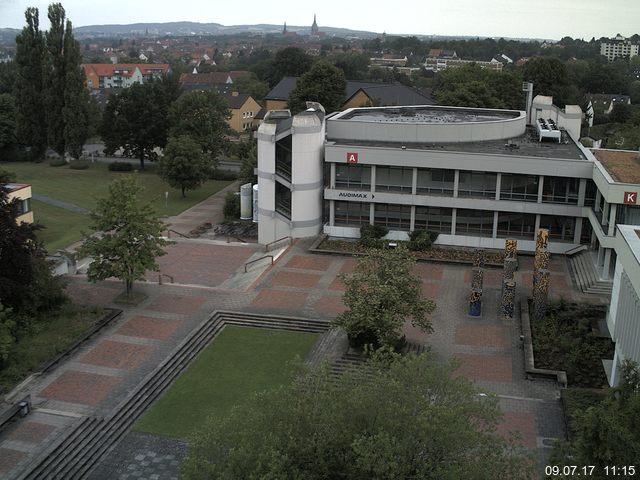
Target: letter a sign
352, 157
631, 198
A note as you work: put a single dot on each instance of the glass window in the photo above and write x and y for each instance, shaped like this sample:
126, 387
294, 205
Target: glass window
353, 176
477, 184
474, 222
560, 228
394, 217
560, 190
435, 219
516, 225
283, 157
351, 213
283, 200
394, 179
519, 187
435, 181
590, 194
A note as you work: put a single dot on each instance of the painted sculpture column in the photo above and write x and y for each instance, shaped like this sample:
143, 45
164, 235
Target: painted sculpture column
541, 274
509, 278
477, 277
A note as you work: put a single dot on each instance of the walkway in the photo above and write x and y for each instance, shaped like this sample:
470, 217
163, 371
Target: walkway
60, 204
209, 276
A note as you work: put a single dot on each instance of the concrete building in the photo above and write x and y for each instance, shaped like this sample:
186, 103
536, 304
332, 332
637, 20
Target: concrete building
623, 318
618, 47
105, 75
22, 193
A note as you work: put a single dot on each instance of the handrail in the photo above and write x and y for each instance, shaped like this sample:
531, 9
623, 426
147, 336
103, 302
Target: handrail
164, 275
254, 261
266, 247
169, 230
229, 237
574, 250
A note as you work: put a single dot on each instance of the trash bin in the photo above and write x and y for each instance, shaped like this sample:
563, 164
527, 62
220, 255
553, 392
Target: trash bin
24, 408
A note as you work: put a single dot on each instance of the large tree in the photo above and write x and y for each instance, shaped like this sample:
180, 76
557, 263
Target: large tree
324, 83
549, 76
128, 236
136, 121
408, 418
289, 62
183, 165
7, 124
54, 77
203, 117
381, 294
30, 119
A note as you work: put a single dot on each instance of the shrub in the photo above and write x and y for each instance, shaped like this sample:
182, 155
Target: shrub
224, 175
79, 165
120, 167
421, 240
370, 235
231, 208
58, 162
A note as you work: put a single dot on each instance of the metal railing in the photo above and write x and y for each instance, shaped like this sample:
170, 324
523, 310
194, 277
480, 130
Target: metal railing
164, 275
266, 247
257, 259
169, 230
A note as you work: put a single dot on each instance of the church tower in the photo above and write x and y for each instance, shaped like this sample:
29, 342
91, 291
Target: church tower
314, 26
284, 30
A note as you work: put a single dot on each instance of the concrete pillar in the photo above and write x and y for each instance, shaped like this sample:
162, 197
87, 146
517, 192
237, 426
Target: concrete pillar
414, 183
373, 178
606, 264
412, 224
454, 212
494, 232
600, 255
332, 213
372, 213
596, 207
498, 185
582, 190
540, 187
332, 180
612, 219
537, 226
578, 230
456, 183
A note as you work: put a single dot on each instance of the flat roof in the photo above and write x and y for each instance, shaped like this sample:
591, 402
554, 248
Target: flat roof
525, 145
425, 114
622, 165
14, 187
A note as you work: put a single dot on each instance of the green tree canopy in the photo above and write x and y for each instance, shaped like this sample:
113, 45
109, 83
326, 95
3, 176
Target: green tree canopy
355, 66
136, 121
54, 77
128, 236
289, 62
408, 418
183, 165
549, 77
381, 294
324, 83
7, 123
202, 116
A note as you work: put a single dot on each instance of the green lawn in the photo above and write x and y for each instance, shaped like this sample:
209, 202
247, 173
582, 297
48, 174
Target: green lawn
85, 187
238, 363
62, 227
51, 334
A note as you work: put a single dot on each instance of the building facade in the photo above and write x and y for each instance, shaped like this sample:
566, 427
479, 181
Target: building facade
618, 47
105, 75
22, 194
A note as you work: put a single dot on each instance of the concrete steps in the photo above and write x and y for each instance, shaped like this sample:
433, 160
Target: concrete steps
74, 456
586, 277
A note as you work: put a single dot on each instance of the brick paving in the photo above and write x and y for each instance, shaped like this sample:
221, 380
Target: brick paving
180, 304
309, 262
30, 431
483, 335
330, 305
9, 459
295, 279
116, 354
148, 327
80, 387
279, 300
521, 426
493, 368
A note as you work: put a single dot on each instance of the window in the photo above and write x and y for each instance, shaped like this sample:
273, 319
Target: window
435, 219
283, 200
351, 213
283, 157
519, 187
435, 181
394, 217
474, 222
353, 176
560, 228
516, 225
477, 184
590, 194
394, 179
24, 206
560, 190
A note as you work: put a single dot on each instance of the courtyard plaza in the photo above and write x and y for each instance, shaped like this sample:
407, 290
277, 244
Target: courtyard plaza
209, 276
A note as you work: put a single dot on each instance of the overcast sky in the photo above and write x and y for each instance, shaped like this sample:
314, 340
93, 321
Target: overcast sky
509, 18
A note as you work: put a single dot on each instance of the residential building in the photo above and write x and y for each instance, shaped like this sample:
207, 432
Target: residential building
121, 75
437, 64
388, 60
618, 47
244, 109
21, 192
502, 58
603, 103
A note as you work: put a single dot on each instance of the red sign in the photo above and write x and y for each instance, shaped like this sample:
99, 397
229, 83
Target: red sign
631, 198
352, 157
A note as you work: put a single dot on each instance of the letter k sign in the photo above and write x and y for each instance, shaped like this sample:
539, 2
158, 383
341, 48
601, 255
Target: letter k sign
630, 198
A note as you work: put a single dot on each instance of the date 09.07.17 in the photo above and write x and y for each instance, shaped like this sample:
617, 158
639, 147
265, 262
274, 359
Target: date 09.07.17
588, 470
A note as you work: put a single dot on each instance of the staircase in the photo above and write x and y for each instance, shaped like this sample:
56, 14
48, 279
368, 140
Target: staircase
586, 277
88, 442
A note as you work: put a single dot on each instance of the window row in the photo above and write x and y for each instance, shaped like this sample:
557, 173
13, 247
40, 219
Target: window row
472, 184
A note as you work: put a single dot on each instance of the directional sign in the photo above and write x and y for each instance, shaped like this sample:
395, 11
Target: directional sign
352, 157
631, 198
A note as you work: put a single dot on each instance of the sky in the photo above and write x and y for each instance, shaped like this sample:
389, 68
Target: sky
550, 19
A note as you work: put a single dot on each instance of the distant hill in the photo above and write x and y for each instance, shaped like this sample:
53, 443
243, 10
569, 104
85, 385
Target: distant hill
8, 35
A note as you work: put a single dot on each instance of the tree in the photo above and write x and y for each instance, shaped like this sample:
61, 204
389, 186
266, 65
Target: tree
253, 86
248, 154
8, 75
183, 164
136, 121
75, 113
324, 83
380, 295
406, 418
549, 77
202, 116
7, 124
289, 62
30, 123
621, 113
54, 78
7, 339
129, 236
355, 66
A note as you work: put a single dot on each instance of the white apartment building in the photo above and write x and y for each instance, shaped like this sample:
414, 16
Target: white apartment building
618, 47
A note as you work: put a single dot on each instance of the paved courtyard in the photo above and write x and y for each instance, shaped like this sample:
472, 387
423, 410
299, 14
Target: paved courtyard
209, 276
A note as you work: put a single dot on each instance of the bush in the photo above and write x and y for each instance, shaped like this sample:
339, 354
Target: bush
224, 175
58, 162
231, 209
120, 167
79, 164
421, 240
370, 235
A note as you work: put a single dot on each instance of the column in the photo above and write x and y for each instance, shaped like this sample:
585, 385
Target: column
412, 224
612, 219
582, 190
578, 230
498, 184
332, 213
596, 207
454, 212
373, 178
414, 183
332, 178
494, 233
540, 187
456, 183
606, 266
372, 212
